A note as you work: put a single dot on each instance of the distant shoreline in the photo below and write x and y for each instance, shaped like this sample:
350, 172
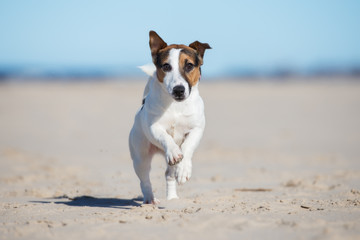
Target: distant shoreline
79, 73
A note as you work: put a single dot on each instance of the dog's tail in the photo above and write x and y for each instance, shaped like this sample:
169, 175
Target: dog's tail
149, 69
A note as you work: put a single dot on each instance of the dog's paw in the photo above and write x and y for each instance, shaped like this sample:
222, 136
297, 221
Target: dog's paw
174, 155
153, 201
183, 172
172, 196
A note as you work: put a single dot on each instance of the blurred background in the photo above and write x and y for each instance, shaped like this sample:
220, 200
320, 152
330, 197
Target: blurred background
109, 39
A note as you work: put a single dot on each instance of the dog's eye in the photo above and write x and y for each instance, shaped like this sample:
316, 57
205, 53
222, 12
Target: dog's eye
166, 67
189, 67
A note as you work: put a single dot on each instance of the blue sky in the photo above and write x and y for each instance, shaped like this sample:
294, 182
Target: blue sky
243, 34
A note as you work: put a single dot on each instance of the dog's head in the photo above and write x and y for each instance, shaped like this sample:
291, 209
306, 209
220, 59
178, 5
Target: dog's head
177, 66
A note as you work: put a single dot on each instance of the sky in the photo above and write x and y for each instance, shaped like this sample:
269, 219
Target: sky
243, 34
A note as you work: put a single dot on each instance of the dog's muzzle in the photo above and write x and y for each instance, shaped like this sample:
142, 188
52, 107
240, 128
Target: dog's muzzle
178, 93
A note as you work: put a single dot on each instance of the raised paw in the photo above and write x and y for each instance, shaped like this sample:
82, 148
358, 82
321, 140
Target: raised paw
174, 155
183, 172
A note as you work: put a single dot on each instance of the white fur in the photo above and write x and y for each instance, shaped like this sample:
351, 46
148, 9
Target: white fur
169, 127
149, 69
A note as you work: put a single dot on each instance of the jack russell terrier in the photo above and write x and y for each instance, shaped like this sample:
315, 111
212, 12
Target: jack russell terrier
171, 120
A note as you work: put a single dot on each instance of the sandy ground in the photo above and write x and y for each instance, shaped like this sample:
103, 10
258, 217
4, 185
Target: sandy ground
278, 160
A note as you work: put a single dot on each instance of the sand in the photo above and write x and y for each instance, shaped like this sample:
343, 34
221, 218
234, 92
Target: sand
278, 160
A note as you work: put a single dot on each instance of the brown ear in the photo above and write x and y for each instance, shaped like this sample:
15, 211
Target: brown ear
156, 43
200, 47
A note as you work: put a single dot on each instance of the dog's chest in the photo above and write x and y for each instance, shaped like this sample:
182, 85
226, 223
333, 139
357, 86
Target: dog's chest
178, 124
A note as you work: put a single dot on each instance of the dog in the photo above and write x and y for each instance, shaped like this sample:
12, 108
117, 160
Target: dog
171, 119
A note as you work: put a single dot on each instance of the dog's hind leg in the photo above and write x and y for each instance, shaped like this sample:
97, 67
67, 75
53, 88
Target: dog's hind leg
170, 183
142, 168
141, 154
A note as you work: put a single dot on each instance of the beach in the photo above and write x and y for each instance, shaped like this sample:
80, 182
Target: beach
278, 160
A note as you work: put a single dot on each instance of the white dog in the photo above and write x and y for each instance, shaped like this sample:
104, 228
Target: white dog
171, 119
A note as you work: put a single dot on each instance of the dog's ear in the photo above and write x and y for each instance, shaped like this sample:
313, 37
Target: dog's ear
156, 43
200, 47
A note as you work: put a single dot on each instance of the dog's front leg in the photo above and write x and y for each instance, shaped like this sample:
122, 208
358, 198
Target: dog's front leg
181, 172
184, 168
164, 141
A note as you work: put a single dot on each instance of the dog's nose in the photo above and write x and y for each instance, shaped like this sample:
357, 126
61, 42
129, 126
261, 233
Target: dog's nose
178, 91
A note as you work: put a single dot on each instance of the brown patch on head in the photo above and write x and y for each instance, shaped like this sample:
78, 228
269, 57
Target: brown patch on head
190, 63
192, 55
159, 60
191, 58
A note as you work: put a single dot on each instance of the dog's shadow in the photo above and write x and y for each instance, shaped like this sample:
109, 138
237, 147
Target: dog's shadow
89, 201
